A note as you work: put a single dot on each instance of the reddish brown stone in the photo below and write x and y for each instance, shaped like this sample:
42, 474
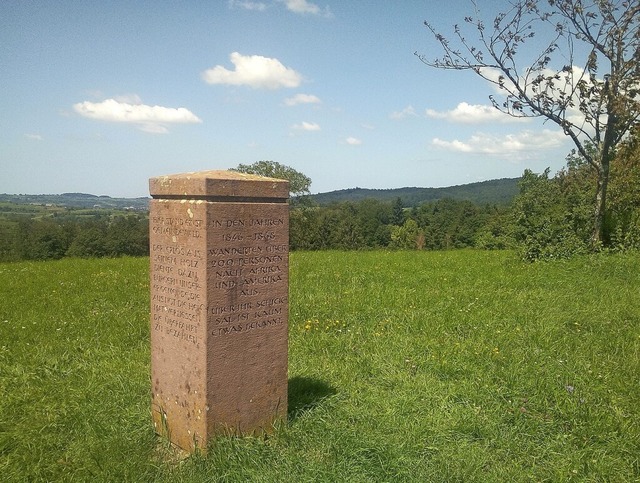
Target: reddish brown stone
218, 184
219, 304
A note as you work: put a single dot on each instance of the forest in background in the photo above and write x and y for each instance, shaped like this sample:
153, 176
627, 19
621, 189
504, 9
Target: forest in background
41, 227
549, 217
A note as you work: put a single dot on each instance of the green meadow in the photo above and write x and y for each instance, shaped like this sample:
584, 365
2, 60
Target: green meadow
403, 366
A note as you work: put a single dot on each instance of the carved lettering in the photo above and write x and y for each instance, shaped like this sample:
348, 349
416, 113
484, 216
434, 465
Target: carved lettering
242, 269
267, 222
243, 328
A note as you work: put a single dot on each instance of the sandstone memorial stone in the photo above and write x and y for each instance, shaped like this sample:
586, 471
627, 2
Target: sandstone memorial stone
219, 244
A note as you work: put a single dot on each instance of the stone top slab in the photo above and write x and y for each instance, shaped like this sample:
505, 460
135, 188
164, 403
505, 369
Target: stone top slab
219, 185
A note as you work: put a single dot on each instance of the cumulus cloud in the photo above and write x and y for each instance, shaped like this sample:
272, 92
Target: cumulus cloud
306, 126
153, 119
34, 137
353, 141
302, 99
472, 114
408, 111
254, 71
248, 5
306, 8
508, 145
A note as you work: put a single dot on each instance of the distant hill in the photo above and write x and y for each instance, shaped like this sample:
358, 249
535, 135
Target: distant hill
497, 191
78, 200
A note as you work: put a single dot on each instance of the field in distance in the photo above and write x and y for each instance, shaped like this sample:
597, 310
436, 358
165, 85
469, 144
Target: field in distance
403, 366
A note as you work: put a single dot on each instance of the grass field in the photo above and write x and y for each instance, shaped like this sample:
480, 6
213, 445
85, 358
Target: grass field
403, 366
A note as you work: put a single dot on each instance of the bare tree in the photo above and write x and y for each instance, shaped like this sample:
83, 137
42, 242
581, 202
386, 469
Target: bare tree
585, 77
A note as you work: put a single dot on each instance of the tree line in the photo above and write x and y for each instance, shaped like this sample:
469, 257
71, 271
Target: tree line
369, 224
551, 217
50, 238
366, 224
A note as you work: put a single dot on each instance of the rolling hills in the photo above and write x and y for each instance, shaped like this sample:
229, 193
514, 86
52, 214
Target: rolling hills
499, 191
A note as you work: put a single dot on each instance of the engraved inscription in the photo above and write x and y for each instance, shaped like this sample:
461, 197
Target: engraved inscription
245, 259
178, 305
249, 262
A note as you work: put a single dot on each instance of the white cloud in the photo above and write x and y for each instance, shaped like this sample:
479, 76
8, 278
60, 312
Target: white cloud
247, 5
473, 114
306, 126
254, 71
518, 145
304, 7
152, 119
408, 111
353, 141
34, 137
302, 99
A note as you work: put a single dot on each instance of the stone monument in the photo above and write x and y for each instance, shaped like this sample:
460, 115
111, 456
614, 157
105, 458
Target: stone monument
219, 243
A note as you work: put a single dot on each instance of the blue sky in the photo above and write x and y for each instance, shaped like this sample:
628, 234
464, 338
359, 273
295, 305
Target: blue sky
99, 96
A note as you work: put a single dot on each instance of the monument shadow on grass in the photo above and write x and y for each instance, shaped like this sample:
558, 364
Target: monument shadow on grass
306, 393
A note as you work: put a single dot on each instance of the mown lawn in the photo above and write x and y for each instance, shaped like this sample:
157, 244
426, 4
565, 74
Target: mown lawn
403, 366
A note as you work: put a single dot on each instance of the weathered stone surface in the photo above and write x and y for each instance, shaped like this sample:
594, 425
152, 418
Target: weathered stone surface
219, 184
219, 304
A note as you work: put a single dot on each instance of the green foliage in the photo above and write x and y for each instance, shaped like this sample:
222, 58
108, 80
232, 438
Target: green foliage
449, 223
41, 240
497, 232
302, 226
624, 195
8, 237
443, 224
347, 226
54, 237
128, 235
299, 183
89, 242
407, 237
553, 217
548, 222
397, 215
404, 366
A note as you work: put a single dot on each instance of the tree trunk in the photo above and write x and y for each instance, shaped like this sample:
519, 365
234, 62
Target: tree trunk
600, 203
